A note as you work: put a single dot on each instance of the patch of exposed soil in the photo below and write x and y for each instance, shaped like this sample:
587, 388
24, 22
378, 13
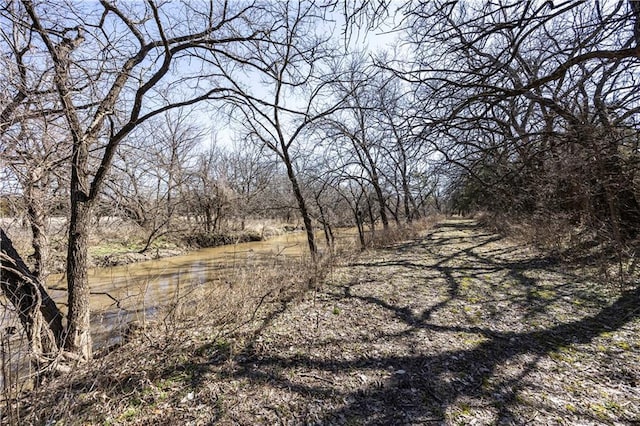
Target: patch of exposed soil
459, 327
117, 259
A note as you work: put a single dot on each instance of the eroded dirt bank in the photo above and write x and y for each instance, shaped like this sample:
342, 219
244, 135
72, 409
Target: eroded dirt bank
458, 327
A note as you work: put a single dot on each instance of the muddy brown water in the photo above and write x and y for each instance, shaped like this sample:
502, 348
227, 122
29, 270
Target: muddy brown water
136, 292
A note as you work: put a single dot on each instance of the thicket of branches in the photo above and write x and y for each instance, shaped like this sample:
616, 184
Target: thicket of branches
534, 106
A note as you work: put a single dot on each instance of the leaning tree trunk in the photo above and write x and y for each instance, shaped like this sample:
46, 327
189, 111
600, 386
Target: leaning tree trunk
38, 313
302, 206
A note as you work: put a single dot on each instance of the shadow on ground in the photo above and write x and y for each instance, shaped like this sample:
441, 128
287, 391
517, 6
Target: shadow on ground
426, 385
458, 327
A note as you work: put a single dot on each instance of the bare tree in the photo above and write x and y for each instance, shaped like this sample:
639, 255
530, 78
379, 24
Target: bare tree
210, 195
115, 67
249, 171
513, 90
33, 144
151, 170
290, 66
355, 126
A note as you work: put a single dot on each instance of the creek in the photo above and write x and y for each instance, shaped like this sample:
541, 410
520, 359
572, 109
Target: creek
135, 292
139, 291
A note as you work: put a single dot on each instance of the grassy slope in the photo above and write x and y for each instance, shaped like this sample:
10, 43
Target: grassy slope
458, 327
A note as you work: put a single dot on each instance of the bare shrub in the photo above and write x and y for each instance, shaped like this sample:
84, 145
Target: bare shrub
551, 233
393, 234
214, 320
561, 237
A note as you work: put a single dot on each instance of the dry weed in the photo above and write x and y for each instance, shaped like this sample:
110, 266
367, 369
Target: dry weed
400, 232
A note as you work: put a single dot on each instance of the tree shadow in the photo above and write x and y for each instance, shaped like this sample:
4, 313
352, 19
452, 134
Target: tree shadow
418, 392
425, 385
421, 386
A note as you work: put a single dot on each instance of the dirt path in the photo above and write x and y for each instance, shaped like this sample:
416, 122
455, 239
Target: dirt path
460, 327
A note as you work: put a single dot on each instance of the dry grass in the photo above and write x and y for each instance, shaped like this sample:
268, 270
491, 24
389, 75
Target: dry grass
458, 327
402, 232
157, 363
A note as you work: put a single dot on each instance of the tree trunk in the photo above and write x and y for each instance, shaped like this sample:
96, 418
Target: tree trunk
328, 234
406, 196
78, 336
39, 240
372, 219
34, 196
382, 205
302, 206
359, 223
375, 181
37, 312
207, 219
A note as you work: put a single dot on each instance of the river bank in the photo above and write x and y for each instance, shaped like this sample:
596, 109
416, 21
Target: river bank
459, 326
114, 242
118, 254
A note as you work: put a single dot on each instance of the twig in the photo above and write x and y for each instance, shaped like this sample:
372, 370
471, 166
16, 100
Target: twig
104, 293
313, 376
253, 315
